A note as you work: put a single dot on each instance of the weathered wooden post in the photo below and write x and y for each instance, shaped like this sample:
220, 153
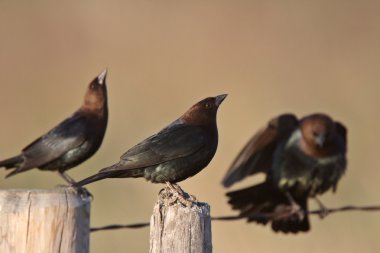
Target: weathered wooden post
179, 228
39, 221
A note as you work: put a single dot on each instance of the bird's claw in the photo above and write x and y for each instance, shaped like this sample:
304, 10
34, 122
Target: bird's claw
323, 210
175, 194
84, 193
184, 202
297, 211
289, 211
284, 212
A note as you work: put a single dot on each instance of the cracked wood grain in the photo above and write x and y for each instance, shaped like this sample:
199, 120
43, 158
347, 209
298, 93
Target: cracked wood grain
179, 228
38, 221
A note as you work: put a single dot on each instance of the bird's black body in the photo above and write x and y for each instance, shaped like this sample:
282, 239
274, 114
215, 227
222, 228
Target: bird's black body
177, 152
72, 141
86, 129
287, 152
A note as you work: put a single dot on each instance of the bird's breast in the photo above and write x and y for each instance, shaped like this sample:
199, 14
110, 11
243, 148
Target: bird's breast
304, 174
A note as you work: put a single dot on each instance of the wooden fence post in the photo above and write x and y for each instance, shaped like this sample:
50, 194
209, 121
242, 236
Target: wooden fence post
39, 221
178, 228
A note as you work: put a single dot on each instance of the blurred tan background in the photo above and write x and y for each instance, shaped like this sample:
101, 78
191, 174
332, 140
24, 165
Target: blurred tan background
163, 56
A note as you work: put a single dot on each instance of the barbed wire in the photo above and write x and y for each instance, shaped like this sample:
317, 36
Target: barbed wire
255, 215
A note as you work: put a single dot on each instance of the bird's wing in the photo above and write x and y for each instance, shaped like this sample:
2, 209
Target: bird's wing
257, 155
342, 132
68, 135
171, 143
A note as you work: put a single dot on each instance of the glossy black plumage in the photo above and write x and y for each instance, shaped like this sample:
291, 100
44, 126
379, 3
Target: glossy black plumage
72, 141
301, 159
180, 150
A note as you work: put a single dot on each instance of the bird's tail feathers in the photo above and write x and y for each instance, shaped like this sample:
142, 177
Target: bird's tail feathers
14, 172
120, 170
257, 199
259, 203
91, 179
232, 177
114, 171
11, 162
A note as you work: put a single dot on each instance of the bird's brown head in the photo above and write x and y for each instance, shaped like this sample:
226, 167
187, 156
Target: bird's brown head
95, 99
204, 112
318, 131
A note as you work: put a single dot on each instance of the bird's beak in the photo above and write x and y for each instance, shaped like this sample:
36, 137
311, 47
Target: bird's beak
219, 99
102, 77
320, 140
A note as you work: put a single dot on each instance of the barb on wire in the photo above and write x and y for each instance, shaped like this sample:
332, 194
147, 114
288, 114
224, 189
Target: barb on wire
256, 215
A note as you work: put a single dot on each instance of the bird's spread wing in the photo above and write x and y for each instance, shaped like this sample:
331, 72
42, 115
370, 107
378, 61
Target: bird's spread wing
257, 155
68, 135
171, 143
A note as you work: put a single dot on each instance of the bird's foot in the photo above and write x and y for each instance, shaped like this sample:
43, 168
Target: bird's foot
187, 196
184, 202
84, 193
323, 210
284, 212
294, 208
297, 211
179, 195
66, 177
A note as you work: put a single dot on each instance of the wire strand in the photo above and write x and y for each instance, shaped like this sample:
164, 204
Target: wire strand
256, 215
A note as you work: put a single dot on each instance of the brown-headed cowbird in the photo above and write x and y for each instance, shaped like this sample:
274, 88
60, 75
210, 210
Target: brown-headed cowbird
72, 141
301, 159
180, 150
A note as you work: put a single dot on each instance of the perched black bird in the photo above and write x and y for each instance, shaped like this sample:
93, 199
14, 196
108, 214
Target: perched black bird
71, 142
301, 159
177, 152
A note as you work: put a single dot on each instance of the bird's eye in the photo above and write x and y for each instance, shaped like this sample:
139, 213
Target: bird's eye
92, 86
315, 134
208, 105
